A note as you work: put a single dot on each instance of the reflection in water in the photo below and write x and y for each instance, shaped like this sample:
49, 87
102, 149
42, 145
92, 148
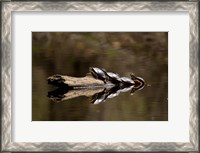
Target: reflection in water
96, 95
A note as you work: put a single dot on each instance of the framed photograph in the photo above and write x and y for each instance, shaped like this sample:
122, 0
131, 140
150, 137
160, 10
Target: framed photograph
100, 76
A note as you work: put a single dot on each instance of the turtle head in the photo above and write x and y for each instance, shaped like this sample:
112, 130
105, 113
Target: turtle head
139, 82
92, 70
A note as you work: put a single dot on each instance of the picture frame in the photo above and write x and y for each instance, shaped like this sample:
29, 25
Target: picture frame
7, 118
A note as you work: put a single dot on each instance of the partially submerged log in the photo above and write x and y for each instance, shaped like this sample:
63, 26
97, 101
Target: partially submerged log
95, 78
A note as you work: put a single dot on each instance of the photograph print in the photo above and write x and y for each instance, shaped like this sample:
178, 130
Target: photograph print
99, 76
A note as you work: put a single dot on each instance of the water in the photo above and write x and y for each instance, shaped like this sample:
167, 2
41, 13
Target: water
144, 54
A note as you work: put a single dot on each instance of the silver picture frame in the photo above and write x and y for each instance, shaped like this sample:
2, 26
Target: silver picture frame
6, 76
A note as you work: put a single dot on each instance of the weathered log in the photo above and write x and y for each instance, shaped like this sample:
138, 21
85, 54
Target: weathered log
95, 78
87, 81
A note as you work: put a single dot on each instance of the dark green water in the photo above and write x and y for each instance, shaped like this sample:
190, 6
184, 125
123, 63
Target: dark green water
144, 54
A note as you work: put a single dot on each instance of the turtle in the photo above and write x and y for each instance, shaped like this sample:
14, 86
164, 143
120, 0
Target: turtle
98, 73
139, 82
113, 77
126, 81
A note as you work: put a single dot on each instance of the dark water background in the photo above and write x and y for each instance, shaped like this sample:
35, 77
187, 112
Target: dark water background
143, 53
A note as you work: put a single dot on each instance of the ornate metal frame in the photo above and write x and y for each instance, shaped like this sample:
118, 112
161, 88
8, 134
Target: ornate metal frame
8, 7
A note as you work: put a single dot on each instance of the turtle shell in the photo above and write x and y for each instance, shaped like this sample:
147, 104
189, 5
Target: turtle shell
98, 73
113, 77
126, 80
